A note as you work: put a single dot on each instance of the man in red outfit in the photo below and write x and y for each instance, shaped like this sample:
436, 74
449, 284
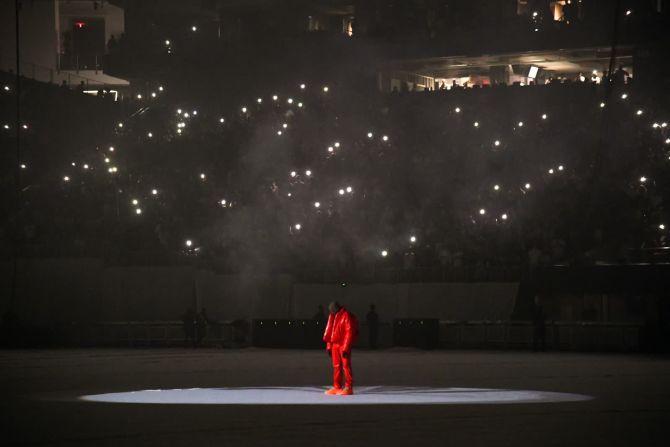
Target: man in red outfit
340, 334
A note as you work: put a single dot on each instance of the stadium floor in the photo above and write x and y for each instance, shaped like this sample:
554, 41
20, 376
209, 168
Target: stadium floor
423, 398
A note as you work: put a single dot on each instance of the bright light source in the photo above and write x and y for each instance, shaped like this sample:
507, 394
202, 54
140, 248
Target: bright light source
476, 124
341, 192
664, 125
275, 97
299, 104
520, 124
85, 166
154, 191
643, 179
222, 120
337, 144
661, 227
602, 105
120, 124
412, 239
138, 211
6, 126
160, 88
534, 13
6, 88
66, 178
325, 89
111, 148
504, 217
496, 187
179, 131
330, 148
385, 138
25, 126
457, 110
186, 115
560, 167
639, 112
284, 125
223, 202
23, 166
384, 253
106, 161
178, 111
244, 110
194, 28
153, 94
135, 202
293, 173
655, 125
482, 211
150, 135
189, 242
667, 141
297, 226
308, 173
370, 135
544, 116
279, 132
527, 186
624, 96
290, 100
289, 194
259, 100
114, 169
302, 86
349, 189
139, 96
629, 12
496, 143
202, 176
317, 204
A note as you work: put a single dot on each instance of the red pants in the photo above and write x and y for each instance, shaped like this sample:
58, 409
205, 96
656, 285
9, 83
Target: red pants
340, 363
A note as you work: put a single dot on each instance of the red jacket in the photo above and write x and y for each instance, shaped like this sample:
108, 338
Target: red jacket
342, 329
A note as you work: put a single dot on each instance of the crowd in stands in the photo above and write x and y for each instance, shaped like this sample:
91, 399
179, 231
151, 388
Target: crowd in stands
458, 183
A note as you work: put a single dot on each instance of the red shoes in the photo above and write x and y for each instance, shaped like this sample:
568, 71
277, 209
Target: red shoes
340, 391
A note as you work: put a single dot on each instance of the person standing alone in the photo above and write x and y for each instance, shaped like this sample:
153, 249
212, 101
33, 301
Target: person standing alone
340, 334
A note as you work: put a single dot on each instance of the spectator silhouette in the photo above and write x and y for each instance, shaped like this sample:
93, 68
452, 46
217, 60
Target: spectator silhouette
539, 326
201, 322
372, 318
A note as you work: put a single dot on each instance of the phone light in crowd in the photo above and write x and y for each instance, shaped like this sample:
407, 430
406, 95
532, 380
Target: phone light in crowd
85, 166
279, 132
106, 161
284, 125
300, 104
244, 110
139, 96
293, 173
150, 135
667, 141
476, 124
154, 192
602, 105
639, 112
111, 148
275, 97
551, 171
194, 28
186, 115
482, 211
350, 189
223, 202
153, 94
629, 12
337, 144
135, 202
289, 194
560, 167
222, 120
290, 100
504, 217
661, 227
520, 124
544, 116
308, 173
160, 88
457, 110
527, 186
412, 239
189, 242
624, 96
25, 126
341, 192
664, 125
120, 124
138, 211
370, 135
384, 253
302, 86
496, 143
23, 166
202, 176
330, 148
195, 112
6, 126
496, 187
655, 125
643, 179
6, 87
325, 89
66, 178
297, 226
114, 169
317, 204
179, 131
385, 138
